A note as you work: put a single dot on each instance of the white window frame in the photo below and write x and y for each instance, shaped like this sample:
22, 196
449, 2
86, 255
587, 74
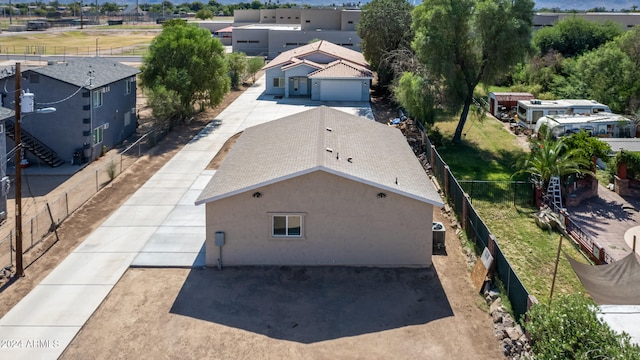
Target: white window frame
287, 235
98, 99
98, 135
278, 82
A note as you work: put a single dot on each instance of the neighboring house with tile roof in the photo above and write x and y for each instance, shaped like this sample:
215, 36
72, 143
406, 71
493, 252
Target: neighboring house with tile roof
322, 71
321, 187
95, 101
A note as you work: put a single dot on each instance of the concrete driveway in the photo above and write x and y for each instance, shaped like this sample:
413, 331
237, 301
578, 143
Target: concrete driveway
159, 226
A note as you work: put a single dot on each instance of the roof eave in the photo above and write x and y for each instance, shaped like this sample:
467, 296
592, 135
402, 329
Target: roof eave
330, 171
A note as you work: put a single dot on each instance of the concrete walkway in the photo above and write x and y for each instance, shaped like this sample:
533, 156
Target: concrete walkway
607, 218
158, 226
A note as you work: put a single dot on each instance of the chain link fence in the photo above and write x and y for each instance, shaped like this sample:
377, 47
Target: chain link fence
53, 212
486, 193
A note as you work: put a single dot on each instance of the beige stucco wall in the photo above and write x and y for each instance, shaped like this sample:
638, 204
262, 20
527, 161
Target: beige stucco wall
344, 223
325, 19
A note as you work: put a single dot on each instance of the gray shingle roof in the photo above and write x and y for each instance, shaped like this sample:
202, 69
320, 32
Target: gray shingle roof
76, 72
361, 150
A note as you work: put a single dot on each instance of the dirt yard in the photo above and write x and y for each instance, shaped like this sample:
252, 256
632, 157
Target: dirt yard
269, 312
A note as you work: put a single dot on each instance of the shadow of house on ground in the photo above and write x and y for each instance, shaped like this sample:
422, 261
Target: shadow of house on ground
313, 304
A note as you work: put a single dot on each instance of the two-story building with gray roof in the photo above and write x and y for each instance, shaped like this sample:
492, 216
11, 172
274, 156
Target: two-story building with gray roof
95, 102
321, 187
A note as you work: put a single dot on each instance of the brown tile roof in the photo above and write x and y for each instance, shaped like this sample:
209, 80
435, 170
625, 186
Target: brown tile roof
323, 46
296, 62
342, 69
321, 139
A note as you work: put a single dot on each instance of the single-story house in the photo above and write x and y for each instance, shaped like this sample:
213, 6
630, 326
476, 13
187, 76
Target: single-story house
321, 70
95, 102
321, 187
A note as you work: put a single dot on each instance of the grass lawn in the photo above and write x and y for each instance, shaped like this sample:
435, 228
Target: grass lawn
76, 42
489, 152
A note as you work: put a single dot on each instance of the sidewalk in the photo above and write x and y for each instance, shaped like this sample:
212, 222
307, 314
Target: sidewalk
158, 226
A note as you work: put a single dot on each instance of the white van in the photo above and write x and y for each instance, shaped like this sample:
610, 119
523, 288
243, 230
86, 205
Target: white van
529, 111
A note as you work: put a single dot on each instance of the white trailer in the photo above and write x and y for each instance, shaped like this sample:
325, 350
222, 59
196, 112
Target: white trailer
603, 125
529, 111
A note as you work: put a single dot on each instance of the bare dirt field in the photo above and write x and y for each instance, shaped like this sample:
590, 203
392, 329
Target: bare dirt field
269, 312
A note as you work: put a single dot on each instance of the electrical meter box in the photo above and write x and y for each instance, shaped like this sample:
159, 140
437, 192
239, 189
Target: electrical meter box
219, 238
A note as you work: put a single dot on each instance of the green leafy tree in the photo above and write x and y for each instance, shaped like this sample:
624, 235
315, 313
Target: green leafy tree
109, 8
569, 328
254, 65
471, 41
587, 147
605, 74
384, 26
609, 76
550, 157
165, 106
416, 93
204, 14
630, 44
574, 35
185, 59
196, 6
237, 68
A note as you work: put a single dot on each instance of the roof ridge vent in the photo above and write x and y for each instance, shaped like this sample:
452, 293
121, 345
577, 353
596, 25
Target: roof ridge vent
329, 150
329, 129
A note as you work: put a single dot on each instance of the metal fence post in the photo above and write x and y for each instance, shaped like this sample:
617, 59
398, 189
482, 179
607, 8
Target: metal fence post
31, 224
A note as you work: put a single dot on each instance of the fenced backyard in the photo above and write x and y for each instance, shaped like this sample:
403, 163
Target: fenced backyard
52, 212
477, 231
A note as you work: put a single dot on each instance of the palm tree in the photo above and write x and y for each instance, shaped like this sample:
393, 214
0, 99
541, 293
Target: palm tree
551, 157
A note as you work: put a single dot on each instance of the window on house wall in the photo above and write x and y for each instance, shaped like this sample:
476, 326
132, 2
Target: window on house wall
98, 135
286, 225
97, 98
278, 82
127, 87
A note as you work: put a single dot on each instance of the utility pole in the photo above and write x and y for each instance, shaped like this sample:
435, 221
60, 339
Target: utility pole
18, 161
81, 18
10, 12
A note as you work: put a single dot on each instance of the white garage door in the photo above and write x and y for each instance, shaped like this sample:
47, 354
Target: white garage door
341, 90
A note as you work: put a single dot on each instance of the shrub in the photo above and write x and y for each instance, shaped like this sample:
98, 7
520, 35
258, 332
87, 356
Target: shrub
569, 328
